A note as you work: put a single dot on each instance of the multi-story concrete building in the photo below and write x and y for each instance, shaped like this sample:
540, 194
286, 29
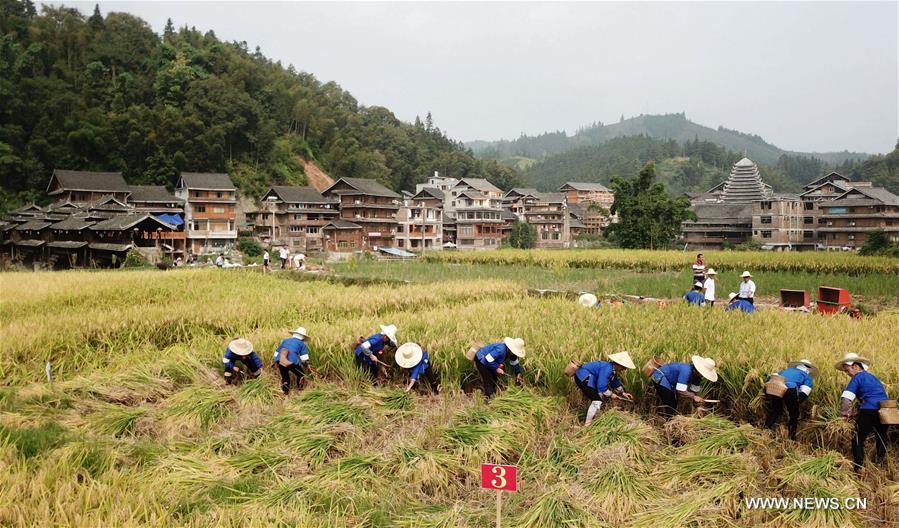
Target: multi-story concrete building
852, 215
591, 204
294, 217
546, 212
478, 219
777, 223
209, 212
420, 221
370, 205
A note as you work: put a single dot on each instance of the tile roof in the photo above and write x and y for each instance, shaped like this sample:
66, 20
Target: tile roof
206, 180
73, 223
341, 224
480, 184
109, 247
295, 194
585, 186
152, 194
67, 244
433, 191
366, 186
88, 181
34, 225
722, 211
122, 222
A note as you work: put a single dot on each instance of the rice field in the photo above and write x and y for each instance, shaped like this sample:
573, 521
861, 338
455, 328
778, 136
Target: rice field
138, 429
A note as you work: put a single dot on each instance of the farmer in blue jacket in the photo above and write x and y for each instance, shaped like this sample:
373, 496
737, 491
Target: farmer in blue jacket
369, 351
491, 359
241, 351
736, 303
291, 356
869, 391
682, 379
799, 376
599, 379
417, 363
695, 296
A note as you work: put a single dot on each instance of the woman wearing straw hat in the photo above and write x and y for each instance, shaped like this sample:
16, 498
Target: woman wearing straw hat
869, 391
709, 287
490, 362
682, 379
799, 377
368, 350
417, 363
588, 300
241, 350
736, 303
599, 379
291, 356
747, 288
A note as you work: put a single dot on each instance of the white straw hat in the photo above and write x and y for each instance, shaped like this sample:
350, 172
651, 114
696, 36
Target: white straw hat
300, 331
746, 274
623, 359
389, 331
851, 358
241, 347
812, 369
516, 345
408, 355
697, 284
711, 272
587, 300
731, 296
706, 367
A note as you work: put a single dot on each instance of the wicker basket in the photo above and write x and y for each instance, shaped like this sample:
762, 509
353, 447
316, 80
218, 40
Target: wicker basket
889, 414
654, 363
776, 386
571, 368
472, 350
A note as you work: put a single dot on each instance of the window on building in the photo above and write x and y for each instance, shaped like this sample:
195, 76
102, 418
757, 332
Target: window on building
545, 235
218, 194
230, 225
766, 219
400, 242
809, 206
766, 234
851, 237
766, 205
556, 236
199, 208
296, 229
822, 221
466, 230
343, 244
808, 220
399, 228
808, 234
218, 209
310, 230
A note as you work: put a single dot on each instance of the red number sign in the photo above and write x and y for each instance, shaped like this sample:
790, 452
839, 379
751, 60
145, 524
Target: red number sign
497, 477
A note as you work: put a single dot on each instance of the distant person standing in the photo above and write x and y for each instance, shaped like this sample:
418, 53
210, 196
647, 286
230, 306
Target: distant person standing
709, 287
283, 253
747, 288
265, 261
699, 269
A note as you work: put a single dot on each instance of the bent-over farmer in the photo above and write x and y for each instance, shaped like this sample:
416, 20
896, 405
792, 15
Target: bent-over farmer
869, 391
491, 362
291, 356
370, 350
241, 351
674, 380
799, 378
598, 380
415, 360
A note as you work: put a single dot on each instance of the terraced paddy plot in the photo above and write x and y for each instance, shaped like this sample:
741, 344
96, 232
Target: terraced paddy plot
138, 428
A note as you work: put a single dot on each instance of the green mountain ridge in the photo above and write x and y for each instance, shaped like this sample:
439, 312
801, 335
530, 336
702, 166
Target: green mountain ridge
668, 126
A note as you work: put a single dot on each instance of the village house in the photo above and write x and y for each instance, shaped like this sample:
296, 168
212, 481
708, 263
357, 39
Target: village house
210, 211
86, 186
369, 205
849, 217
546, 212
420, 221
293, 216
590, 203
777, 223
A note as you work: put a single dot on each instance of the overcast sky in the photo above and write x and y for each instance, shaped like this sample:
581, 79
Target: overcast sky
809, 76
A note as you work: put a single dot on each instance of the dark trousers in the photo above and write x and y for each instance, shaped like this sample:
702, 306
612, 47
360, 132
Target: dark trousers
283, 263
589, 392
370, 368
668, 399
285, 376
776, 405
489, 377
248, 365
709, 303
431, 377
867, 422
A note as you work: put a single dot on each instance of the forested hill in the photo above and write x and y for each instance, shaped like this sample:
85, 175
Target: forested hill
668, 126
695, 165
107, 93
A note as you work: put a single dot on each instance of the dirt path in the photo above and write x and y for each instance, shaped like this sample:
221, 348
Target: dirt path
315, 176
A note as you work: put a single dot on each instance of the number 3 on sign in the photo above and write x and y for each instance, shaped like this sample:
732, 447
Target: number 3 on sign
497, 477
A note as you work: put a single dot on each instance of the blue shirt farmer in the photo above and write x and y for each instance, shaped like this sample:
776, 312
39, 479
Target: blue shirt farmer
250, 360
421, 367
695, 297
799, 379
372, 345
746, 306
676, 377
599, 376
495, 354
868, 389
297, 351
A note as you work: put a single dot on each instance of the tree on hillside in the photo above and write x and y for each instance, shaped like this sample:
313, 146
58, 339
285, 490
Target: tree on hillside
523, 235
647, 216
